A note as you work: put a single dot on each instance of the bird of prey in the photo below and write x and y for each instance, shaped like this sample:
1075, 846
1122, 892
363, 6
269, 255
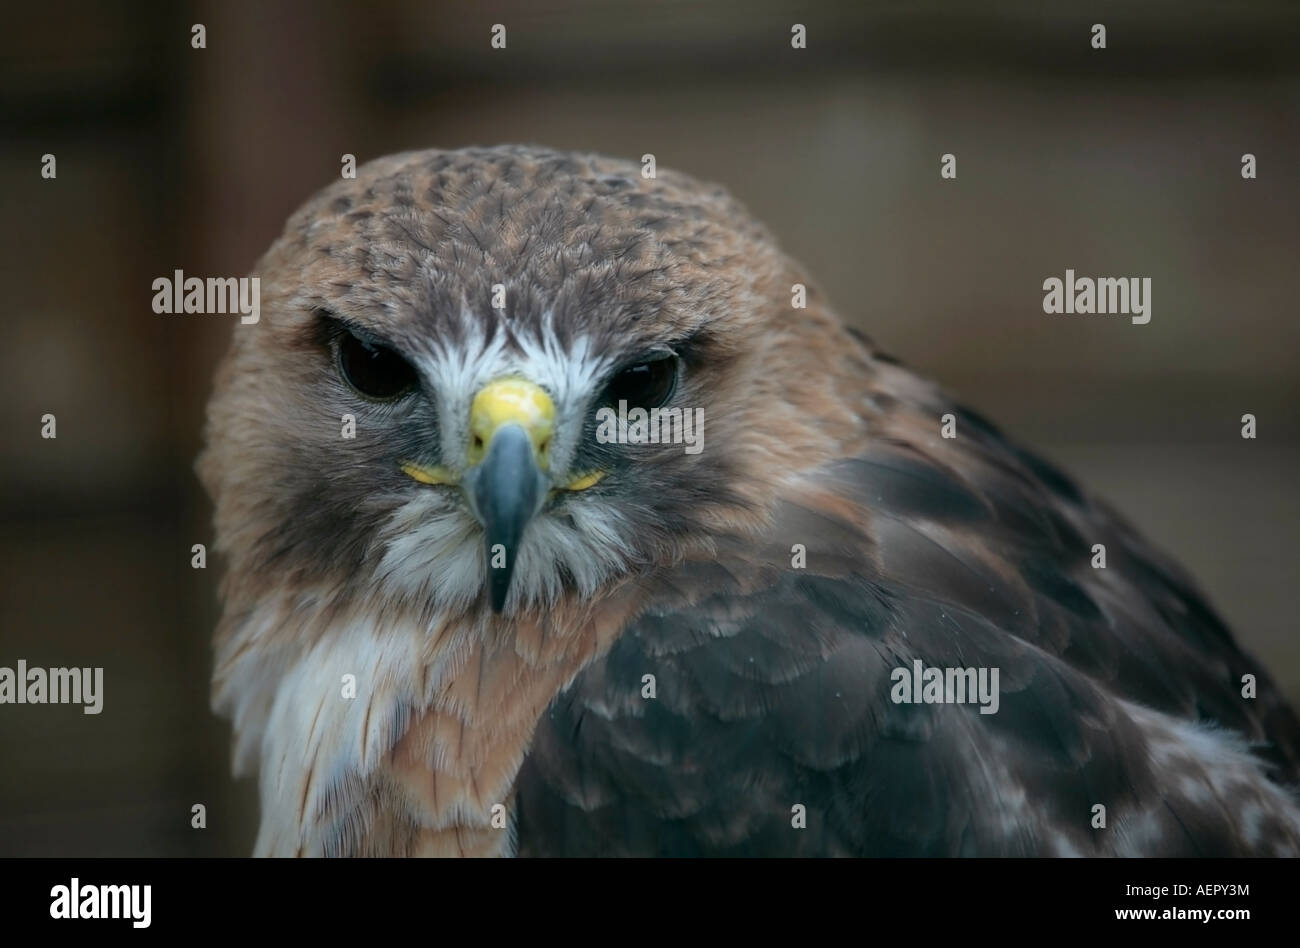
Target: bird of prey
459, 621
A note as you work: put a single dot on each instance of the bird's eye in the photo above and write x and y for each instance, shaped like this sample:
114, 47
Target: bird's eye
646, 384
375, 371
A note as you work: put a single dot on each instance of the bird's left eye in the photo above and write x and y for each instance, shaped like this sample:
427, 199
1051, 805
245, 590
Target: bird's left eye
373, 370
646, 384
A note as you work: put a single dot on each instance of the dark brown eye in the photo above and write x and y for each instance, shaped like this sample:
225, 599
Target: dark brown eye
644, 385
375, 371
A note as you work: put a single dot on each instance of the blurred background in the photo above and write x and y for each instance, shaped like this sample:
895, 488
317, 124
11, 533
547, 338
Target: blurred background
1117, 162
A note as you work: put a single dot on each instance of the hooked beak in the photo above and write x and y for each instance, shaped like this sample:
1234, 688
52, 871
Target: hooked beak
506, 479
507, 493
511, 421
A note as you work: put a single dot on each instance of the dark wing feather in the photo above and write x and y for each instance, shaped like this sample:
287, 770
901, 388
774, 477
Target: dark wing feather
773, 684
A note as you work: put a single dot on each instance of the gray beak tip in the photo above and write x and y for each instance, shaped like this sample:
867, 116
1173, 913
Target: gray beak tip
507, 493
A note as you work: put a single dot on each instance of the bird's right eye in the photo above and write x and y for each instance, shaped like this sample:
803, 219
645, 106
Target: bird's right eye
372, 370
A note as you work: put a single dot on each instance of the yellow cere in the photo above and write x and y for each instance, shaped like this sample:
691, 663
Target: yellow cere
429, 475
511, 401
506, 401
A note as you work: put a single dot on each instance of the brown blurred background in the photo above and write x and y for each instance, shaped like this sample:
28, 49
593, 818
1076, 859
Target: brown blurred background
1122, 162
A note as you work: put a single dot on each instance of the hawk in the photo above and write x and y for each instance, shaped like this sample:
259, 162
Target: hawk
458, 621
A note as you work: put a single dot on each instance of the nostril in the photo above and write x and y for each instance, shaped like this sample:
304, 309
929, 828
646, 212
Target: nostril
478, 443
542, 448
